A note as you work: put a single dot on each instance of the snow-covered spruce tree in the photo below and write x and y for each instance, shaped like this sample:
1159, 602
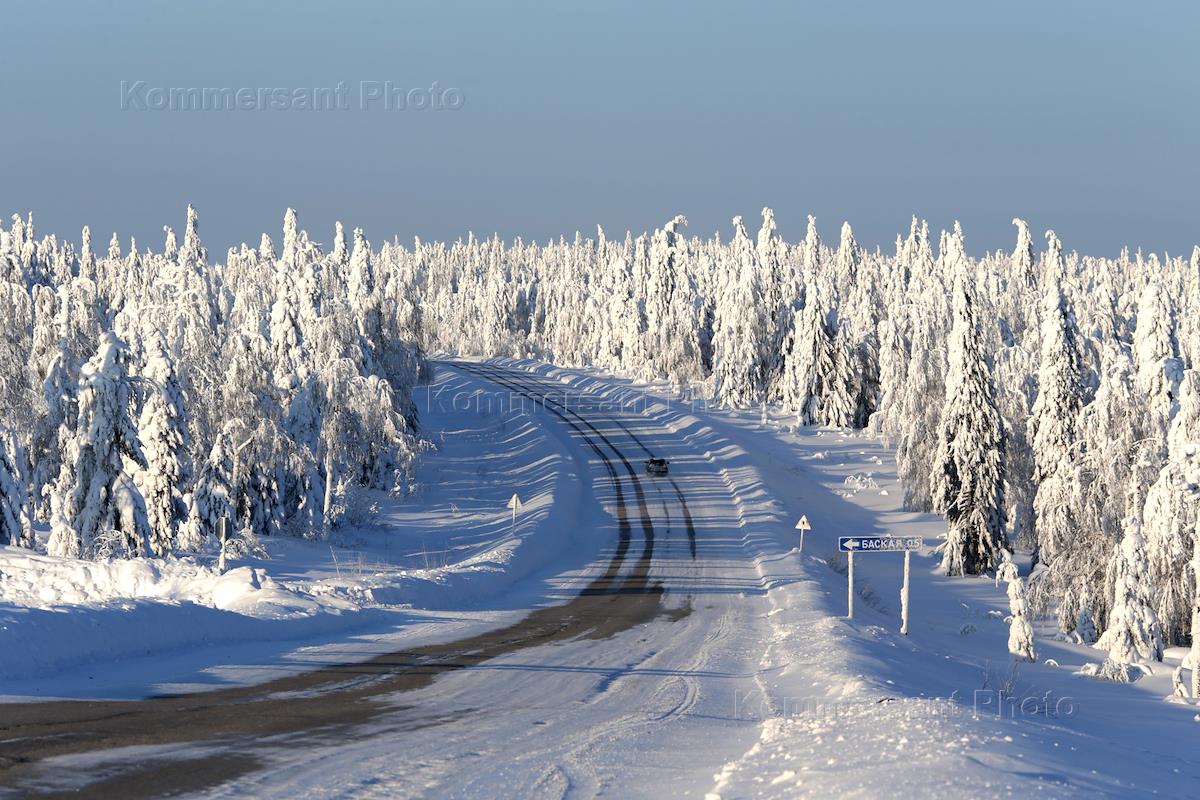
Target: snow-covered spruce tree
43, 443
1110, 431
1020, 632
1060, 389
672, 332
967, 484
1023, 284
362, 300
93, 496
163, 430
1133, 634
211, 499
662, 272
1169, 518
1016, 387
1057, 458
778, 297
1156, 356
360, 429
922, 396
858, 317
893, 373
818, 383
14, 504
740, 326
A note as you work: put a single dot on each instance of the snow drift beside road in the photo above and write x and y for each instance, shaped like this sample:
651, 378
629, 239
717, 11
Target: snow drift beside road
65, 624
47, 582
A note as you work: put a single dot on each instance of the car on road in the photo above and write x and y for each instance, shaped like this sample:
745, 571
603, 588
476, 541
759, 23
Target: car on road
656, 466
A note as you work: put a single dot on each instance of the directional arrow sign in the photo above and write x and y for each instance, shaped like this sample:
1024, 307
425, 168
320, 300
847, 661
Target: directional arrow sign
878, 544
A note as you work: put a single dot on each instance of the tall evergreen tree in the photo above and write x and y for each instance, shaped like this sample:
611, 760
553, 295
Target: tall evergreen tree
211, 498
14, 504
92, 483
967, 484
1057, 459
740, 327
163, 430
1133, 634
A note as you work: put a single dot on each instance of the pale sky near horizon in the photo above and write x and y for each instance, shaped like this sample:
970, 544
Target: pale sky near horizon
1078, 116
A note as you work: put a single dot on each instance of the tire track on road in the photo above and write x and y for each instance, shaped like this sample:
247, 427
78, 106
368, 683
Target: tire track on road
505, 378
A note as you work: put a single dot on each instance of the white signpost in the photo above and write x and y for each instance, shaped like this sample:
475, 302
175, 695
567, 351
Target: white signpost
223, 538
514, 503
878, 544
803, 526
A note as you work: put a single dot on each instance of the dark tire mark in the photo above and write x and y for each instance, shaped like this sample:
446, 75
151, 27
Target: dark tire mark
687, 514
504, 378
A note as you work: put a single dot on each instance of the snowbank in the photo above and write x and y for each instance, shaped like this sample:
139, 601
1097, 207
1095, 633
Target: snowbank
66, 625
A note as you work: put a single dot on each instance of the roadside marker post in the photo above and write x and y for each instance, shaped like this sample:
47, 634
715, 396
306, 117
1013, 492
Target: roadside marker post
803, 526
223, 538
514, 503
850, 585
878, 544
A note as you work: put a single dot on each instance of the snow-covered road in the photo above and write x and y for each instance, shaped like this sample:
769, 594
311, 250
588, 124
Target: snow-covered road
636, 684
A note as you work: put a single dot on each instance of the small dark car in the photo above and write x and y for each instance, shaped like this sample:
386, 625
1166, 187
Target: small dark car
656, 466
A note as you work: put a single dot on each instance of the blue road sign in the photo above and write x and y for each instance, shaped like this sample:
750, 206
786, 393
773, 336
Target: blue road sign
878, 544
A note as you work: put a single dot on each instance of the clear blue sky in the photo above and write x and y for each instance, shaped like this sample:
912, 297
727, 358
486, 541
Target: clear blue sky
1081, 116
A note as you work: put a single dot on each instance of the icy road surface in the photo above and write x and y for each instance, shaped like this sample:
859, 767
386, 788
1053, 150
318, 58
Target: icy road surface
637, 681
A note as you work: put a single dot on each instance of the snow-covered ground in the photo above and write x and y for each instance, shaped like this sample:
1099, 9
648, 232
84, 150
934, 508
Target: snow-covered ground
852, 708
751, 683
129, 628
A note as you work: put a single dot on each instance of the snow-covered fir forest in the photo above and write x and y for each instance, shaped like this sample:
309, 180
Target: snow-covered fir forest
1038, 399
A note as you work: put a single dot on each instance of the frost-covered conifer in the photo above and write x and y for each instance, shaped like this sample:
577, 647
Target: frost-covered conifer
1020, 632
967, 483
739, 327
93, 498
1155, 354
1057, 458
14, 506
163, 430
1169, 518
211, 499
291, 238
1133, 634
1060, 389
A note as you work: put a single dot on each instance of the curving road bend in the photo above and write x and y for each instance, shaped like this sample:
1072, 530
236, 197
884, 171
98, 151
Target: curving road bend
639, 685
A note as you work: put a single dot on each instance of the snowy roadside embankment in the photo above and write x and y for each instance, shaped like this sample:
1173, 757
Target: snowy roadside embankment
853, 708
59, 614
106, 628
